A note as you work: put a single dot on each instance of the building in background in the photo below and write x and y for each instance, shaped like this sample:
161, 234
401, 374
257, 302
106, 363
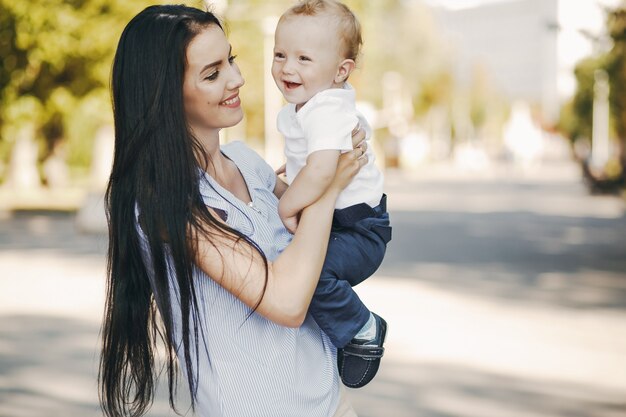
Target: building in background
528, 47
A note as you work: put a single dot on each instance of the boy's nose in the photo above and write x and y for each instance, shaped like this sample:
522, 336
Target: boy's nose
287, 68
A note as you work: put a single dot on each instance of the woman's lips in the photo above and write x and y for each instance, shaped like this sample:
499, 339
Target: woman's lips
233, 101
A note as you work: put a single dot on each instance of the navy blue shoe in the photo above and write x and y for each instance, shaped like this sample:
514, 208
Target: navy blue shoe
359, 360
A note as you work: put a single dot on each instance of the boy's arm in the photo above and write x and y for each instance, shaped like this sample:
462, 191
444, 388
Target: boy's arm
280, 187
310, 183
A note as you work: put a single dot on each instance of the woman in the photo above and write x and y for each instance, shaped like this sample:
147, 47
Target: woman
194, 234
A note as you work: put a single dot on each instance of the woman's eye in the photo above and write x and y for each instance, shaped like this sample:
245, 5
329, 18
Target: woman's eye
232, 58
212, 76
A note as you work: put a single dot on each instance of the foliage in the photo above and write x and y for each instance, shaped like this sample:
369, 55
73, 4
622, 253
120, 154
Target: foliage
616, 68
576, 116
410, 46
57, 54
55, 74
245, 21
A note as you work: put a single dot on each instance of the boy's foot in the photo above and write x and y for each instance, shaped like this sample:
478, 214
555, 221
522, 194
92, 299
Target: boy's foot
359, 360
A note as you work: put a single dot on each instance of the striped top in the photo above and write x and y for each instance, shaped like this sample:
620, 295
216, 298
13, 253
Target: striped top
254, 367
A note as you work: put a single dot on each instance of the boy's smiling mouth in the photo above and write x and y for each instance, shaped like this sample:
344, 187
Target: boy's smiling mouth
290, 86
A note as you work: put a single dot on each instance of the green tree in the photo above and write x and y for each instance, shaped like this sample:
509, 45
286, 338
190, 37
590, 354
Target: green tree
616, 68
245, 21
57, 54
56, 65
577, 115
403, 37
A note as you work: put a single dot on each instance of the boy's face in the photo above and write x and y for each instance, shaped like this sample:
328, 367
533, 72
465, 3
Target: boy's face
306, 57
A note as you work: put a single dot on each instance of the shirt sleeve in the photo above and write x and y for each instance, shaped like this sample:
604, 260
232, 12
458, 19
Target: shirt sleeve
328, 124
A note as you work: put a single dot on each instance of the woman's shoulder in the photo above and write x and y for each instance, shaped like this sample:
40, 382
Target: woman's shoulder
243, 154
240, 148
248, 160
235, 145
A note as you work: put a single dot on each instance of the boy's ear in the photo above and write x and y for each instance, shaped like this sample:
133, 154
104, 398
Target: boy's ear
344, 70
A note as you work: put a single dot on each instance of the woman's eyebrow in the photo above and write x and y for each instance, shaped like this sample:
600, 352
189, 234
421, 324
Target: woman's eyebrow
212, 64
216, 63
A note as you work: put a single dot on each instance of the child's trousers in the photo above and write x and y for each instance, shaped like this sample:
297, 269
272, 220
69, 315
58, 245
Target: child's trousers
357, 245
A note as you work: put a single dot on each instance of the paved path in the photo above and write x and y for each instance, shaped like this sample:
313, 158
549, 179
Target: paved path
505, 291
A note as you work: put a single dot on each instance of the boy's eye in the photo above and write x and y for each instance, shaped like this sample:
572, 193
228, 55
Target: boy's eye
304, 58
278, 55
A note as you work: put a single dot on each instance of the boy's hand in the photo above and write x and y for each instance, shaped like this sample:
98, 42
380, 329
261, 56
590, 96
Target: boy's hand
281, 170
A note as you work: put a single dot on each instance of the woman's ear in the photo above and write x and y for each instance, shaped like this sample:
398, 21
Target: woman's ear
344, 70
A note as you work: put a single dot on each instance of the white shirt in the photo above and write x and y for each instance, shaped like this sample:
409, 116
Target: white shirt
251, 366
326, 122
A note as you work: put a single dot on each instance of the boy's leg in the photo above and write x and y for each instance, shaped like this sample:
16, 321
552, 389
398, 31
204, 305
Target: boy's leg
356, 249
365, 242
353, 255
359, 360
359, 253
335, 306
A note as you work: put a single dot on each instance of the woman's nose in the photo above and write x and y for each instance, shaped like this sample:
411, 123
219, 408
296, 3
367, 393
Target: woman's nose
237, 79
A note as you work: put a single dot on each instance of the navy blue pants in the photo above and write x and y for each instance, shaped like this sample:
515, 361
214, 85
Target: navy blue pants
358, 240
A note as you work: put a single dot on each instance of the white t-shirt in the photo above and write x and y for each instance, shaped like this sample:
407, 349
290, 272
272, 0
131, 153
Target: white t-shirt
326, 122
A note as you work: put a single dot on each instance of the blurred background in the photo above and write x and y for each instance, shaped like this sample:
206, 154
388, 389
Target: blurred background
501, 128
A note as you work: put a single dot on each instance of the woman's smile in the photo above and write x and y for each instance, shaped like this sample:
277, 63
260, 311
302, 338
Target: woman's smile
232, 101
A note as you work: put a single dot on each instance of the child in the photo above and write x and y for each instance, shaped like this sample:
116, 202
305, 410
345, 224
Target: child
316, 46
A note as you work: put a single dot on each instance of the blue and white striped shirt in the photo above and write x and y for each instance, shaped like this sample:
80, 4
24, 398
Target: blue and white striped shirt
254, 367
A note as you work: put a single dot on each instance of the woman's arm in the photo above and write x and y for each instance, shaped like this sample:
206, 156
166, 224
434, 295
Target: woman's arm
293, 276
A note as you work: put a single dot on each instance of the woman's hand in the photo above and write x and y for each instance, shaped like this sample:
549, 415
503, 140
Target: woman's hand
349, 164
358, 136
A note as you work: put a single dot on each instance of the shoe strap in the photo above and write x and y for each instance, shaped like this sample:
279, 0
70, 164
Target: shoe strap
364, 351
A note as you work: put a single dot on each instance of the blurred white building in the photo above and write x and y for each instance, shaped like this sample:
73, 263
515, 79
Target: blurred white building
528, 47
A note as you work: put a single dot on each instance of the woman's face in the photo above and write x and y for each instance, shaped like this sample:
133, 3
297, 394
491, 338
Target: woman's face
211, 84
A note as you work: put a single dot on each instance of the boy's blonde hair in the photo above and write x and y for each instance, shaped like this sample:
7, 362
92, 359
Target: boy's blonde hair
348, 26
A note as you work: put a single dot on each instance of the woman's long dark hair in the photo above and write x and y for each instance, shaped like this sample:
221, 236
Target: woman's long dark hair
156, 169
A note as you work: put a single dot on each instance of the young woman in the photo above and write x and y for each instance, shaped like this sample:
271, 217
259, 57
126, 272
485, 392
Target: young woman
198, 256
